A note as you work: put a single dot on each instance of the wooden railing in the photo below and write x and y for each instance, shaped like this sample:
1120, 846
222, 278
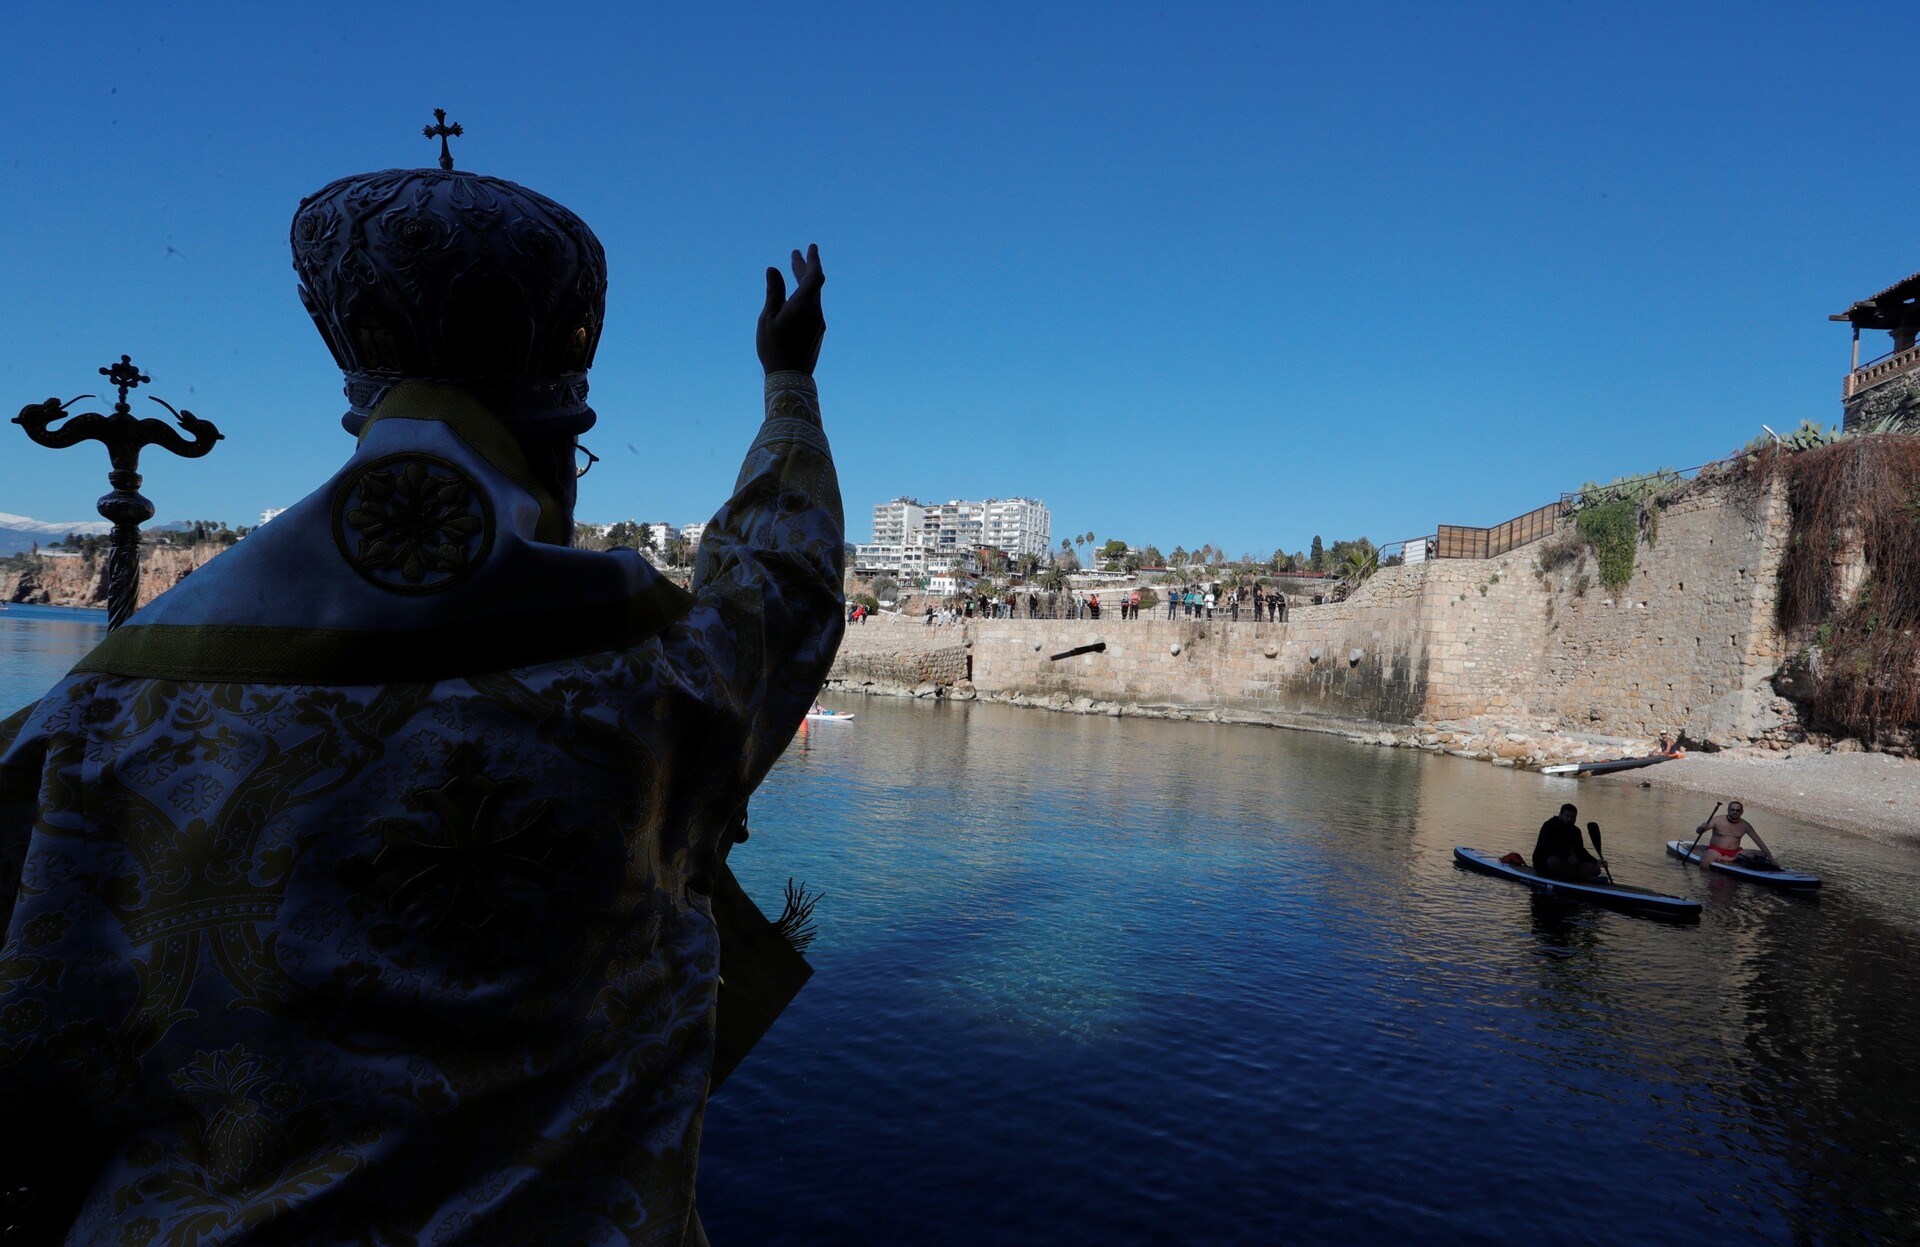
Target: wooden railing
1865, 378
1456, 541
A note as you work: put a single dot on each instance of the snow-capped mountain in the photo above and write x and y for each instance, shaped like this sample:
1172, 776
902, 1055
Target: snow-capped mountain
19, 533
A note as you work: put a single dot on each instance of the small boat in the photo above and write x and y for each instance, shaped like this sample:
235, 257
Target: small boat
825, 716
1773, 878
1613, 764
1621, 896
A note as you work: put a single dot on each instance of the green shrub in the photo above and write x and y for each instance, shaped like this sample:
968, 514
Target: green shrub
1612, 530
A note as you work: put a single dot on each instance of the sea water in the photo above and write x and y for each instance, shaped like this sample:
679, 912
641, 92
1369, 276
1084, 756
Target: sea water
1120, 981
37, 646
1124, 981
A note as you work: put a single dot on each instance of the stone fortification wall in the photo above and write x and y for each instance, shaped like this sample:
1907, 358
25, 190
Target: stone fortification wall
1692, 642
889, 653
1355, 661
1688, 647
1483, 622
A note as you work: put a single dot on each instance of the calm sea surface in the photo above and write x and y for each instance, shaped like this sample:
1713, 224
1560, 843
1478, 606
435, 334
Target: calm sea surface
37, 646
1089, 980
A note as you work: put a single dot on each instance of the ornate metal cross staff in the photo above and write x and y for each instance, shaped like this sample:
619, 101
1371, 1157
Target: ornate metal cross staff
441, 130
123, 436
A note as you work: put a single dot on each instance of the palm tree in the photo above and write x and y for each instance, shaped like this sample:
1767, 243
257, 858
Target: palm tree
1361, 563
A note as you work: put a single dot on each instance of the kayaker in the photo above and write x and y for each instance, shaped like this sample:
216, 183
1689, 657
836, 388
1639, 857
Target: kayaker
1559, 854
1727, 831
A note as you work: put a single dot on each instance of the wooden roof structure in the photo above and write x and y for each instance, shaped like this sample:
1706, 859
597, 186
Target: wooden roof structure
1896, 306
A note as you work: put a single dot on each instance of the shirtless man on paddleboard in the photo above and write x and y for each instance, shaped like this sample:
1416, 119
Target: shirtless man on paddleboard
1727, 830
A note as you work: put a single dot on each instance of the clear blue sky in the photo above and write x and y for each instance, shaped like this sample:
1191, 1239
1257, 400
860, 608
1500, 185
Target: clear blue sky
1189, 273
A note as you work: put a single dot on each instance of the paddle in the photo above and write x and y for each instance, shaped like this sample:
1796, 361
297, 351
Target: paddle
1702, 832
1593, 829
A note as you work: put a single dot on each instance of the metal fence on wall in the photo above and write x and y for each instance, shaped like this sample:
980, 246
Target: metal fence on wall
1456, 541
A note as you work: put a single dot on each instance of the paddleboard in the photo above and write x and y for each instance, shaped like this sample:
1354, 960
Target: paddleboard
1621, 896
1772, 878
1602, 768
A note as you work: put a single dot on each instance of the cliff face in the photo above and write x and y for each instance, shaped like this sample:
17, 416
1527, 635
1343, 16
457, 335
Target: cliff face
81, 580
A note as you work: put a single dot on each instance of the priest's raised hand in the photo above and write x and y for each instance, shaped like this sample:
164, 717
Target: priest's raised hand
791, 327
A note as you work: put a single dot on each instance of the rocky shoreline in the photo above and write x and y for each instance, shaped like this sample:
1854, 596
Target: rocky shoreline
1502, 744
81, 579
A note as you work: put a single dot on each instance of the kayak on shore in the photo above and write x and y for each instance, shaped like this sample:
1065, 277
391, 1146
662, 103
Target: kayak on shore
1620, 896
1614, 764
1744, 867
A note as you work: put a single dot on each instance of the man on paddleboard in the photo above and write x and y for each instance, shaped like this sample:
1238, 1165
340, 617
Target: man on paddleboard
1559, 854
1727, 830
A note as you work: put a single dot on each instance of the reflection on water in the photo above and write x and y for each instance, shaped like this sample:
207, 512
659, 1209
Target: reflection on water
37, 646
1092, 980
1121, 981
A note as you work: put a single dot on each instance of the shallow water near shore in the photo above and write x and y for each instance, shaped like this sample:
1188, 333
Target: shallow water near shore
1083, 979
1125, 981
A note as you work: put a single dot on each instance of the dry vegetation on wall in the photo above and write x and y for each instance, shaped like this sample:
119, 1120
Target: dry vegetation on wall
1860, 493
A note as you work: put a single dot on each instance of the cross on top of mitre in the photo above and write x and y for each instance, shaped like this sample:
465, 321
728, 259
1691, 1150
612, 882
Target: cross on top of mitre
442, 131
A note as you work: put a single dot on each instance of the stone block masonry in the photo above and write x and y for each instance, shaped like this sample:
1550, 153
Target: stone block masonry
1688, 647
888, 653
1352, 662
1692, 643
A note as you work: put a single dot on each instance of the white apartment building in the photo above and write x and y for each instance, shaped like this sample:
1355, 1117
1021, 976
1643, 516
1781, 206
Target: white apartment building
911, 538
911, 557
892, 521
944, 584
658, 535
693, 533
955, 526
897, 547
1019, 526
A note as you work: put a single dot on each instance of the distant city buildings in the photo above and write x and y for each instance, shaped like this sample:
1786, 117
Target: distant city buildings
915, 539
655, 538
270, 512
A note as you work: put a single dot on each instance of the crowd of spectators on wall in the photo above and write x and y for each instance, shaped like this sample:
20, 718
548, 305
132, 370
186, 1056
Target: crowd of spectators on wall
1256, 604
1208, 602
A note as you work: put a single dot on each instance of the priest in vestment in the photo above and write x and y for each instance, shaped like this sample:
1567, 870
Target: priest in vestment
369, 886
